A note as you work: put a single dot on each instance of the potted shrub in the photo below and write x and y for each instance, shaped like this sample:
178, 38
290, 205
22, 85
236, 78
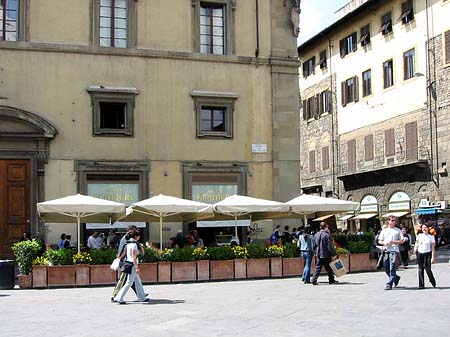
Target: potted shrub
60, 271
258, 264
148, 265
240, 263
40, 264
201, 255
82, 260
184, 268
221, 263
100, 271
292, 263
275, 252
164, 269
359, 256
25, 252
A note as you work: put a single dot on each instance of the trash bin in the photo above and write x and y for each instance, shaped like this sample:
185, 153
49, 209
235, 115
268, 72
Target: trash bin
7, 274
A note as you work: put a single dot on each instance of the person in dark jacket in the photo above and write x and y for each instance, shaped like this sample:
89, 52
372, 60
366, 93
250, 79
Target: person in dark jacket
325, 252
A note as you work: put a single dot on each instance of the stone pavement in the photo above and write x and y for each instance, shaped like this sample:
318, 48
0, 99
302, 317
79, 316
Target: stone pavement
357, 306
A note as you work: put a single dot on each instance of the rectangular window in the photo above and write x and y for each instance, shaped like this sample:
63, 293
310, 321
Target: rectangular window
407, 12
388, 74
323, 59
212, 28
213, 119
368, 147
325, 158
349, 89
312, 161
351, 153
324, 101
447, 47
309, 108
408, 64
9, 20
348, 45
411, 141
113, 23
365, 36
389, 143
386, 23
367, 83
308, 67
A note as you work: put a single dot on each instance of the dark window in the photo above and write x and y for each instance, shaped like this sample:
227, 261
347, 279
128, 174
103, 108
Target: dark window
323, 59
113, 23
365, 36
312, 161
388, 74
408, 64
386, 23
9, 20
447, 46
325, 158
367, 83
213, 119
351, 153
411, 141
212, 28
309, 108
368, 147
113, 110
349, 90
407, 12
324, 101
389, 142
348, 45
308, 67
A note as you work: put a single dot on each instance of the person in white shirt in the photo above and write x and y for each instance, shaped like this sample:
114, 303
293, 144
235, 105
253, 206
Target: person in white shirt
390, 238
92, 242
425, 252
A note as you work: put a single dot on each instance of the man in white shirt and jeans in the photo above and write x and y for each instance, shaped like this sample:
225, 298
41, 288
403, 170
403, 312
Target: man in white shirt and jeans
390, 238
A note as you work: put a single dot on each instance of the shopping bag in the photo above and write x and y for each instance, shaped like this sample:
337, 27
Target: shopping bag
338, 268
115, 264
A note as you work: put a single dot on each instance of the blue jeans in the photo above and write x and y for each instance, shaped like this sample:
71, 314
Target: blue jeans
132, 278
390, 268
307, 258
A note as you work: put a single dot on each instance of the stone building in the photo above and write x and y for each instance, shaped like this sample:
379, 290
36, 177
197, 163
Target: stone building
125, 99
374, 126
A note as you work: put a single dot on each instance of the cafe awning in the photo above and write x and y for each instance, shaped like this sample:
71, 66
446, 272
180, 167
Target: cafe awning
365, 216
323, 217
346, 217
396, 214
428, 210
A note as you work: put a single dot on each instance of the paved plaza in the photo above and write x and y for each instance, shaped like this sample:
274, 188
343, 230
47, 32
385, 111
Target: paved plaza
357, 306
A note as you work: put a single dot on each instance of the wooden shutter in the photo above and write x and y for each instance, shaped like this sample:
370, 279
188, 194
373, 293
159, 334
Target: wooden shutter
342, 47
354, 42
343, 95
368, 147
389, 142
305, 112
313, 64
447, 46
318, 106
312, 161
355, 89
351, 155
411, 141
305, 69
325, 157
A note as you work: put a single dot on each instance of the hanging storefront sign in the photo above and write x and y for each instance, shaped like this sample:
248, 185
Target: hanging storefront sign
369, 204
399, 201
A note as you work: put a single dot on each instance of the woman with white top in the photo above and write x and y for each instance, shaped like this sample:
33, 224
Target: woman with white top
132, 251
424, 249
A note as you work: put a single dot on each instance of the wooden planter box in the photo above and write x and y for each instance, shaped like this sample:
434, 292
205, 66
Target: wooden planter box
149, 272
203, 270
257, 268
82, 275
102, 275
40, 277
240, 268
292, 266
164, 272
276, 267
222, 270
60, 276
184, 271
25, 281
359, 262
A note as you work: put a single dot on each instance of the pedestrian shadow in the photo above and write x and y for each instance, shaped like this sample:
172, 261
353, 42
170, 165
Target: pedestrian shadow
416, 288
4, 295
154, 301
342, 283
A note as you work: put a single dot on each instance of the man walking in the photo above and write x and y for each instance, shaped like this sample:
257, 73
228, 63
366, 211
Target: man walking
390, 238
325, 252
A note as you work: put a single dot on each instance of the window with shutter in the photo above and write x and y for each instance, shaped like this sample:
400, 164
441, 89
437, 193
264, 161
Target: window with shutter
389, 142
386, 23
408, 64
368, 147
323, 59
343, 94
365, 36
312, 161
388, 74
305, 112
407, 12
367, 83
348, 44
325, 101
325, 158
355, 89
411, 141
351, 154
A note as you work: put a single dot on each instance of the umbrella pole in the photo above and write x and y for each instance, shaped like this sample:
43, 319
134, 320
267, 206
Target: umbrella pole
304, 220
78, 231
235, 226
160, 232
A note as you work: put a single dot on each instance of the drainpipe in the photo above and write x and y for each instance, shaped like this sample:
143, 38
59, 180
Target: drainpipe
257, 28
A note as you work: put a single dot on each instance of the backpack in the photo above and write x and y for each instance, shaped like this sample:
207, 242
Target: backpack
273, 239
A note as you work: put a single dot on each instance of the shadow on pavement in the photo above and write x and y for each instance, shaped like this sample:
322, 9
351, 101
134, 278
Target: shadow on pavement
4, 295
164, 301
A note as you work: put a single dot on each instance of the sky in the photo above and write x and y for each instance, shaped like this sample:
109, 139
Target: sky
317, 15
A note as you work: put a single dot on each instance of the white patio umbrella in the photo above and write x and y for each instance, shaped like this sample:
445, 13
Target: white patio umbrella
80, 208
238, 206
171, 209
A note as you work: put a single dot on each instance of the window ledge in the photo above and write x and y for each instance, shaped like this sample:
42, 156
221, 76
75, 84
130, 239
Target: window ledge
215, 94
121, 90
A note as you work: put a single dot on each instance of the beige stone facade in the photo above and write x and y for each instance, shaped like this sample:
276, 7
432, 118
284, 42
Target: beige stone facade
57, 71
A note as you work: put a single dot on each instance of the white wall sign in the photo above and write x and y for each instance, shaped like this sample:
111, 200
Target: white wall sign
259, 148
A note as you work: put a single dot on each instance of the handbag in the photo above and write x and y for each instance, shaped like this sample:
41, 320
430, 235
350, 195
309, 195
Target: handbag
338, 268
380, 262
127, 267
115, 264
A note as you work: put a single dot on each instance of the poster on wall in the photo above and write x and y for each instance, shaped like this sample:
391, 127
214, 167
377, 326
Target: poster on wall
126, 193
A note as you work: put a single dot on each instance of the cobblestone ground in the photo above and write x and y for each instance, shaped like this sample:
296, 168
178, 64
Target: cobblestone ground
357, 306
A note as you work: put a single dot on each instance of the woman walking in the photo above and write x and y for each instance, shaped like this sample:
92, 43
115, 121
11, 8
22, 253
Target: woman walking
404, 248
425, 250
306, 248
